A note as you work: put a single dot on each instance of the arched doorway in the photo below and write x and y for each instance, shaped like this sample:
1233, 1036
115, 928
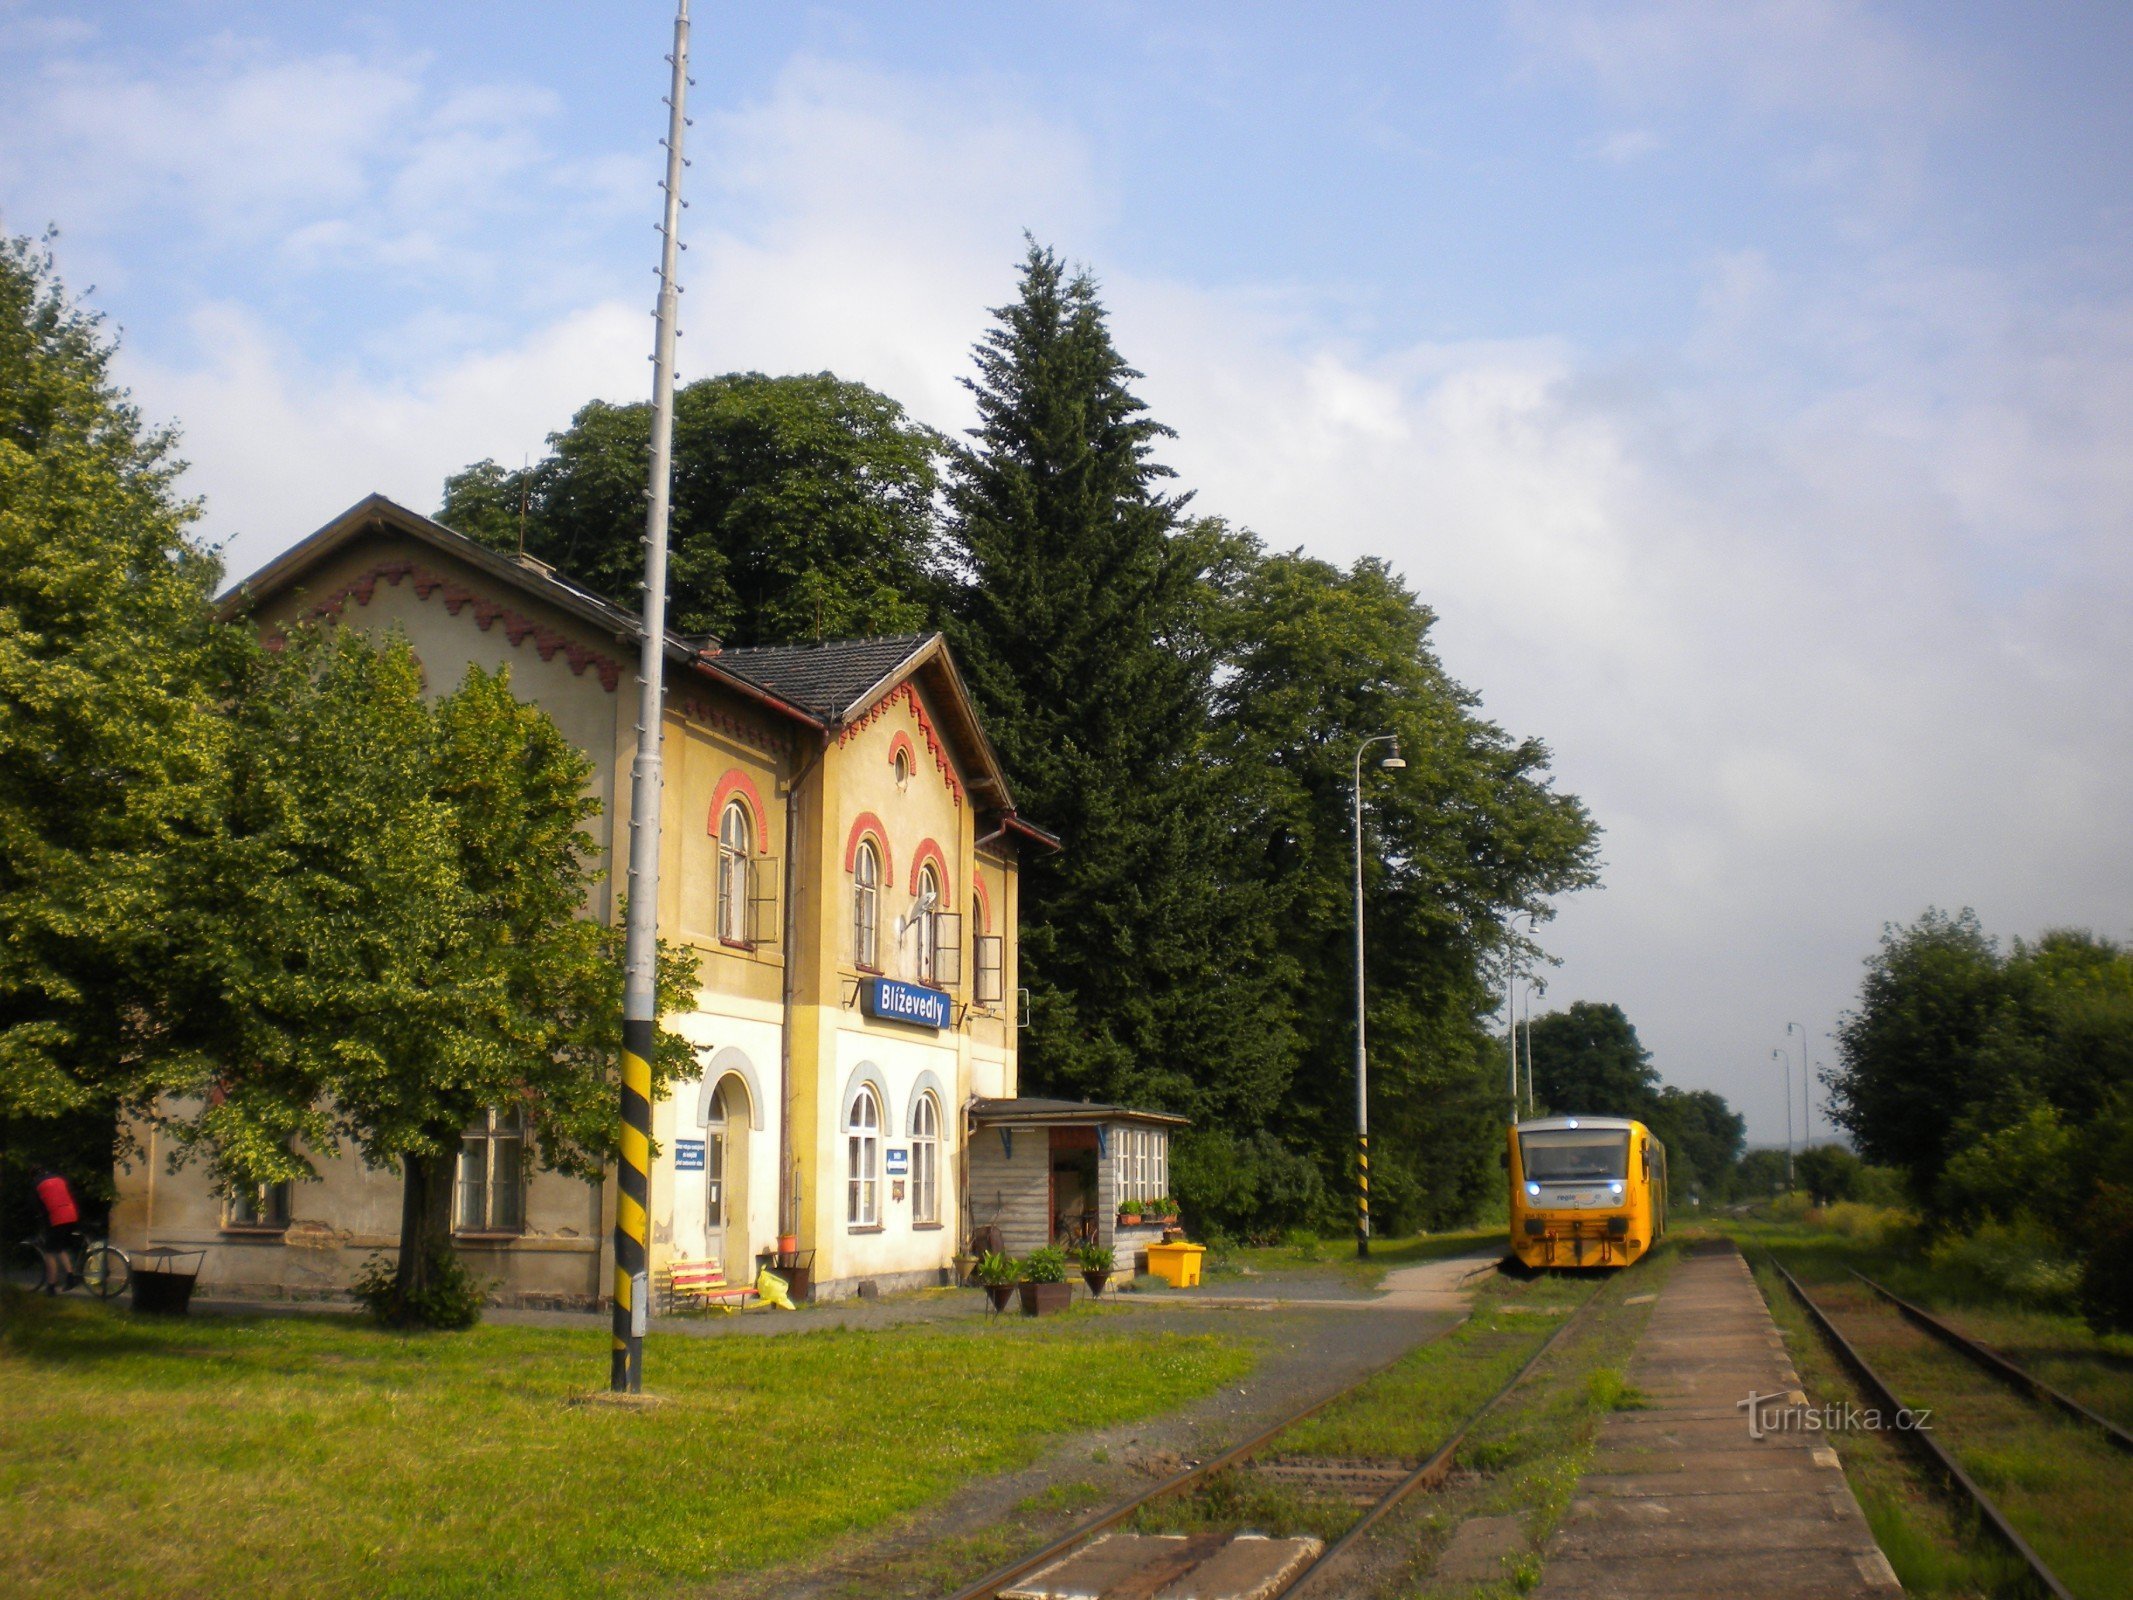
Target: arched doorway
727, 1119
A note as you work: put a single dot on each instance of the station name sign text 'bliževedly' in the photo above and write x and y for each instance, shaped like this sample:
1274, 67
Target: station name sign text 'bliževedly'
892, 1001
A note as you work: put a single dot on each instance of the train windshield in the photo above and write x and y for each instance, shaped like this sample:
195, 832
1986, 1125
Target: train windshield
1574, 1155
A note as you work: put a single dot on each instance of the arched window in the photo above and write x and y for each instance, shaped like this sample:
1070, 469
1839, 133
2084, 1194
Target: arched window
903, 769
733, 853
866, 906
926, 1160
927, 912
862, 1155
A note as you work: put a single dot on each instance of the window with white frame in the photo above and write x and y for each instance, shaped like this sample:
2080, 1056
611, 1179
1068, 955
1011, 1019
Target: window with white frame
862, 1155
1143, 1163
926, 1160
491, 1184
262, 1206
929, 929
733, 857
866, 906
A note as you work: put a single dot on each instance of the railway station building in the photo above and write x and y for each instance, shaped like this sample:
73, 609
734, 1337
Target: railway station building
839, 852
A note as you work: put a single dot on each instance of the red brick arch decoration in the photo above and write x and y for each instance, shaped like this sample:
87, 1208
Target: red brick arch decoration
929, 851
737, 782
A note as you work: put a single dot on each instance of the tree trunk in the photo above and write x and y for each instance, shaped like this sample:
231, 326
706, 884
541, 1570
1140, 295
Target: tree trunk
425, 1220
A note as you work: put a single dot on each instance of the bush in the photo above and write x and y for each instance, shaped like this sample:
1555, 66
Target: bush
1829, 1173
1875, 1225
1790, 1208
2019, 1261
2107, 1260
453, 1299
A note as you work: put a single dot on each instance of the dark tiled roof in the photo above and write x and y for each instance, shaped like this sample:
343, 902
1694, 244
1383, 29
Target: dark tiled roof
1030, 1109
827, 679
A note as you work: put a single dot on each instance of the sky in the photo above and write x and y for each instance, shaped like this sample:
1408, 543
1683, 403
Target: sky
1748, 388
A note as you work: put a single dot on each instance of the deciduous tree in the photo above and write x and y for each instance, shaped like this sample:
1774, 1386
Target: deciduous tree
109, 738
803, 508
391, 934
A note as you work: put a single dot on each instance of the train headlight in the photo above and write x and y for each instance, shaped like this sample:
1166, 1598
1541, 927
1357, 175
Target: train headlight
1533, 1189
1617, 1189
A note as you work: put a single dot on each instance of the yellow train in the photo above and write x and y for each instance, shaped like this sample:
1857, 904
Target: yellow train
1585, 1191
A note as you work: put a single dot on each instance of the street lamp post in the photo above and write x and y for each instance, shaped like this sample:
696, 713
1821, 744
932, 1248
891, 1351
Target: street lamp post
1391, 763
1510, 1003
1807, 1078
1787, 1060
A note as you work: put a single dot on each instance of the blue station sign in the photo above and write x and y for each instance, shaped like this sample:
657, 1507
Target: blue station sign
688, 1155
893, 1001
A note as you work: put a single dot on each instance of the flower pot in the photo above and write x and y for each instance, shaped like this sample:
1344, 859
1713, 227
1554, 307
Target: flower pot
1096, 1282
1042, 1299
999, 1294
1129, 1219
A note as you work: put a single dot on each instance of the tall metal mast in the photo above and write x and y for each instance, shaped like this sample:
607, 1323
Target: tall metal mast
640, 1002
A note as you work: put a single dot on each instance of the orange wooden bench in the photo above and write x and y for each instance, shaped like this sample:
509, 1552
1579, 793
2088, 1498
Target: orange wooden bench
703, 1283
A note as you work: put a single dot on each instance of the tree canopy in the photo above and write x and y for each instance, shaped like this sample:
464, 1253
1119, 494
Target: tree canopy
803, 508
109, 737
390, 931
2001, 1084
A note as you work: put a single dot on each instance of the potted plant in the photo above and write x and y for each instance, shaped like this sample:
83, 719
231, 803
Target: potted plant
1129, 1213
1096, 1260
998, 1273
1044, 1287
1164, 1210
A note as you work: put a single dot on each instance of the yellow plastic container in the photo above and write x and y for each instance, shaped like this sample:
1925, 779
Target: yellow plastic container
1177, 1264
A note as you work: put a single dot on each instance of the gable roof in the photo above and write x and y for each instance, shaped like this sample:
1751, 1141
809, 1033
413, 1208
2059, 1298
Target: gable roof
823, 686
834, 679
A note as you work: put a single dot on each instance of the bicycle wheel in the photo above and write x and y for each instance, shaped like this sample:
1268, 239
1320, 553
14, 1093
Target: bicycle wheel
105, 1271
25, 1266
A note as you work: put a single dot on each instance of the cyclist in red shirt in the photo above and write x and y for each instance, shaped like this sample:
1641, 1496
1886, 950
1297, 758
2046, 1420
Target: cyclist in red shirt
60, 1237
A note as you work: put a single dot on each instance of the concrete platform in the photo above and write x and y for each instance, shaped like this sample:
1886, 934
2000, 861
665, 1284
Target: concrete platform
1680, 1500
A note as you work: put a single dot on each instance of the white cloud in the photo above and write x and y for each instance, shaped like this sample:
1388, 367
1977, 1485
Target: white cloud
1821, 611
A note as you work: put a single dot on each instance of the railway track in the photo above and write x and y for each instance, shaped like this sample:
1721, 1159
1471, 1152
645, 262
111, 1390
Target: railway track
1285, 1571
1938, 1459
1983, 1355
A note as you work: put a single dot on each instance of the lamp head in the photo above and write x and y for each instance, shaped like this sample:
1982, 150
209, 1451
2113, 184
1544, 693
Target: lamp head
1393, 763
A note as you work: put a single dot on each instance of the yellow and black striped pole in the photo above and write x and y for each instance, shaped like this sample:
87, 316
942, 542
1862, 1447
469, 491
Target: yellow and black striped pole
640, 956
1391, 763
1362, 1194
633, 1186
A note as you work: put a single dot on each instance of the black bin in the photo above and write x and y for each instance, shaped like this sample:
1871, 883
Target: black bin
163, 1281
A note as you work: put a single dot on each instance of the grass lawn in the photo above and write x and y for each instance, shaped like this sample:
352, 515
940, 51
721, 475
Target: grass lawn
315, 1455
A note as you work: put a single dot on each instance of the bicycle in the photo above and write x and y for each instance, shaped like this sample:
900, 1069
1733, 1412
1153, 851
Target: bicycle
104, 1269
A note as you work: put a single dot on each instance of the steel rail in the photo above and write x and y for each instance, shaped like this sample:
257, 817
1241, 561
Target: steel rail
1428, 1475
988, 1586
1999, 1366
1988, 1511
1438, 1467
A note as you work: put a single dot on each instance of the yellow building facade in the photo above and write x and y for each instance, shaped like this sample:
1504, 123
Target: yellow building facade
838, 850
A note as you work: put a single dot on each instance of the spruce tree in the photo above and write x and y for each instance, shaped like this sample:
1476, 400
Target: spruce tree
1081, 623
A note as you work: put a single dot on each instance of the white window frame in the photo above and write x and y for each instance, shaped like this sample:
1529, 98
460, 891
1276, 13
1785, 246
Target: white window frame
481, 1141
862, 1156
866, 906
257, 1208
926, 1160
929, 927
735, 848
